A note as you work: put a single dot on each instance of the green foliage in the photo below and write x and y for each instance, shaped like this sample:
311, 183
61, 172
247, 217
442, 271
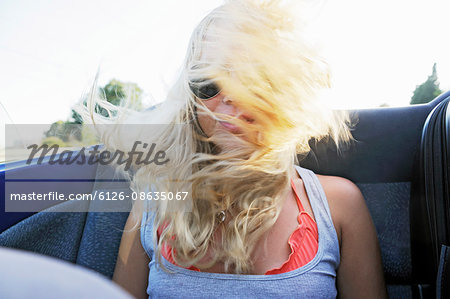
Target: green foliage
65, 131
428, 90
88, 136
76, 118
71, 132
115, 92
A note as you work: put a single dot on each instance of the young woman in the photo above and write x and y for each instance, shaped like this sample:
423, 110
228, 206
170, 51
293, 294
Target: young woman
241, 111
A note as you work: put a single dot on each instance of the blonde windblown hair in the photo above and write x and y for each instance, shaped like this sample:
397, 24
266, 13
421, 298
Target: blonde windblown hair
255, 52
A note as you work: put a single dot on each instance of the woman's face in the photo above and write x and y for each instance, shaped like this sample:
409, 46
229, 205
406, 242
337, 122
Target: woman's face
223, 105
220, 104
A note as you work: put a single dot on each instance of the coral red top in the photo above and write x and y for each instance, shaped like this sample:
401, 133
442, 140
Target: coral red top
304, 243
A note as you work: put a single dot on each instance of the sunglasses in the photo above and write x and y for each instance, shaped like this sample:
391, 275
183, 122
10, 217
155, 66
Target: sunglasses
204, 89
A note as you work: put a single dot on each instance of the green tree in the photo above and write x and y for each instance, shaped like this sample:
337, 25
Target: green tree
428, 90
115, 92
70, 132
76, 118
64, 130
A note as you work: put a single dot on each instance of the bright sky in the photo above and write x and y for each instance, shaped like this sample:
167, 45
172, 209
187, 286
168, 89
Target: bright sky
50, 49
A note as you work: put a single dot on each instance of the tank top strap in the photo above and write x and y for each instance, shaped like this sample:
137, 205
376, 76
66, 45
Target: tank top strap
147, 227
321, 210
316, 195
297, 197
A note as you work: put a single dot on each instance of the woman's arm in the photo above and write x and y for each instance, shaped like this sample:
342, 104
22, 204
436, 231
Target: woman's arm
131, 270
360, 273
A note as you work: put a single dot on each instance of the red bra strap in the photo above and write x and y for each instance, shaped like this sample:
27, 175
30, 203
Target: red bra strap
299, 203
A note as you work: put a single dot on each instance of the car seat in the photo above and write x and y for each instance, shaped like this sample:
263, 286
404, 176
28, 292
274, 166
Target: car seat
386, 162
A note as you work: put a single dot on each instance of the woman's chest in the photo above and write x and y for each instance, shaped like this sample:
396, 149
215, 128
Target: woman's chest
272, 249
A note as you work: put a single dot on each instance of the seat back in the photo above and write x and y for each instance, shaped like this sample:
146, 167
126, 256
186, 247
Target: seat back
86, 237
384, 163
430, 206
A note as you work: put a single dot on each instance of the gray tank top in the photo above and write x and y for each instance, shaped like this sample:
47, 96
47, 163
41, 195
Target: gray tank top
316, 279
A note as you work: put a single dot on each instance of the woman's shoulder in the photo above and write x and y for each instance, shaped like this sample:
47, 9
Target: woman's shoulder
344, 199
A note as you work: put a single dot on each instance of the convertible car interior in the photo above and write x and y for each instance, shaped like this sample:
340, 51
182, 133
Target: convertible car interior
400, 160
